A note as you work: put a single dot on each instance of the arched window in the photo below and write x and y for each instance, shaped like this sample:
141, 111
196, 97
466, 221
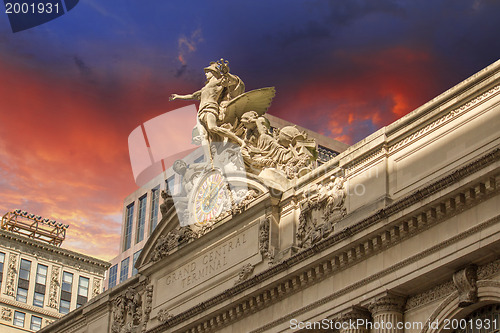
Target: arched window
483, 320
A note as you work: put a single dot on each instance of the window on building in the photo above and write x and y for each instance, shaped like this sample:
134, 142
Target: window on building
36, 323
141, 219
83, 291
24, 281
155, 203
19, 318
24, 270
40, 283
38, 299
136, 255
67, 286
64, 306
170, 183
2, 260
129, 217
22, 295
124, 270
113, 272
41, 274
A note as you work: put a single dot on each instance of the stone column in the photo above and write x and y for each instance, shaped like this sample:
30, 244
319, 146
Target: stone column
355, 320
387, 312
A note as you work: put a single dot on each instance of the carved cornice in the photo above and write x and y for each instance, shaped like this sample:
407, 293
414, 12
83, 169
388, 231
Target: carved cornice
444, 119
36, 246
365, 159
435, 213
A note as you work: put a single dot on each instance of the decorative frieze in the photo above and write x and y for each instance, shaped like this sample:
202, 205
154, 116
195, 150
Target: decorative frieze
465, 282
11, 275
488, 270
54, 287
439, 291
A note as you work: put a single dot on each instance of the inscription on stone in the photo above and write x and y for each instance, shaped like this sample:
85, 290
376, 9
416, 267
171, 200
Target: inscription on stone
211, 263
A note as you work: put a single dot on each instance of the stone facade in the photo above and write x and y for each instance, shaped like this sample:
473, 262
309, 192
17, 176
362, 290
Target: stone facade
28, 304
399, 233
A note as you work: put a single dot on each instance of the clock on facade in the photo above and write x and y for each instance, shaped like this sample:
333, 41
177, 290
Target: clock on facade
210, 197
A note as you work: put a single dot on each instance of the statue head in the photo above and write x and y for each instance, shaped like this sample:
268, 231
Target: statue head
180, 167
212, 70
249, 117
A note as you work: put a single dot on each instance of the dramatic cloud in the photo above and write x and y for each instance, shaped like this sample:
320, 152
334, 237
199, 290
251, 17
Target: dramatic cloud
64, 155
375, 91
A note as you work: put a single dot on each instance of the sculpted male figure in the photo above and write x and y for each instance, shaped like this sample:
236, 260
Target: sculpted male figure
219, 87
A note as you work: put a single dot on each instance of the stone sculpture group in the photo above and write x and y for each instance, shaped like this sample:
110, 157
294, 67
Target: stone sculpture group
228, 114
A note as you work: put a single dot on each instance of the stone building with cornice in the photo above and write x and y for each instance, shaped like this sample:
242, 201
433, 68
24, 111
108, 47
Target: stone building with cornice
398, 233
40, 281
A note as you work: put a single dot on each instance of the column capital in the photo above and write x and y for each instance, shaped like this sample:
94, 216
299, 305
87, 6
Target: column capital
355, 312
387, 303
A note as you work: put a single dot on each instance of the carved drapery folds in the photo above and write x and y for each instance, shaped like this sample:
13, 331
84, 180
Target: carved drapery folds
54, 287
322, 208
131, 310
465, 282
11, 275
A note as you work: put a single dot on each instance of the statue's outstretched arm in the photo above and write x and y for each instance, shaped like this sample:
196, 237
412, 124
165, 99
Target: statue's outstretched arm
194, 96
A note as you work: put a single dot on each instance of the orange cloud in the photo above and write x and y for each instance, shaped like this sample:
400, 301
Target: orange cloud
64, 154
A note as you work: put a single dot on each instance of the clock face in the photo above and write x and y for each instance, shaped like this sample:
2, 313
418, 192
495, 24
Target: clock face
210, 197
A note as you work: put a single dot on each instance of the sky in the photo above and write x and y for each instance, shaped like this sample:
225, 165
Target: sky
73, 89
